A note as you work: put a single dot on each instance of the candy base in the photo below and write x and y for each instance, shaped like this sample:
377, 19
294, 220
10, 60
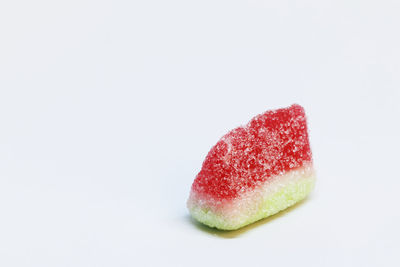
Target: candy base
270, 198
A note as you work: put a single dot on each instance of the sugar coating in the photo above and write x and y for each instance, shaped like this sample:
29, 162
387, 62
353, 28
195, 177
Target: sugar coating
244, 167
270, 144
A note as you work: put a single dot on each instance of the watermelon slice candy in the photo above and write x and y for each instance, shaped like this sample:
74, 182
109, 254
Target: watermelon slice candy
254, 171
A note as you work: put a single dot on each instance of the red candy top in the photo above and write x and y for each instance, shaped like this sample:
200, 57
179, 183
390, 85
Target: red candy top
270, 144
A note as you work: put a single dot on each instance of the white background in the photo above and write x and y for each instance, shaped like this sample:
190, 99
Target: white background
108, 108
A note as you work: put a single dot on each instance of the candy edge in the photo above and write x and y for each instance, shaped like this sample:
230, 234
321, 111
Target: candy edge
284, 198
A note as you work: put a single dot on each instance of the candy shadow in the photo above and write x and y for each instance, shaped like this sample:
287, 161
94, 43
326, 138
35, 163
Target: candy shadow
241, 231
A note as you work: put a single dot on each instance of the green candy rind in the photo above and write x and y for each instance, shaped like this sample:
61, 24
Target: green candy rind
278, 201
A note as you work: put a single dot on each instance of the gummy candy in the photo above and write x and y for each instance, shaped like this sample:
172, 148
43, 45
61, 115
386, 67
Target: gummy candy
254, 171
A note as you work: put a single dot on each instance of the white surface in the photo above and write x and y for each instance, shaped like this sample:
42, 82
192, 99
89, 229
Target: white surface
107, 109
